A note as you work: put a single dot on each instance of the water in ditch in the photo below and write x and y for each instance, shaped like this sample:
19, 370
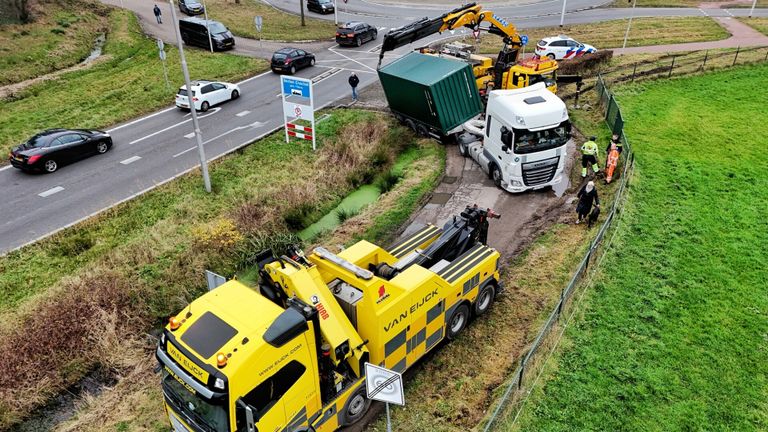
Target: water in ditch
352, 204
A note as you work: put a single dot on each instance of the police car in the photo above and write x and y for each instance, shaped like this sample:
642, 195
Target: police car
562, 48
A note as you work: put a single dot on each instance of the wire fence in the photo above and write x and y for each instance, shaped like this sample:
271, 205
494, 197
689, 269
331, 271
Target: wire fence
518, 387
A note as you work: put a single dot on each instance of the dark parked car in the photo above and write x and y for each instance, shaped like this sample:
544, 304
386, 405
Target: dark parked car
50, 149
194, 31
291, 59
191, 7
355, 33
320, 6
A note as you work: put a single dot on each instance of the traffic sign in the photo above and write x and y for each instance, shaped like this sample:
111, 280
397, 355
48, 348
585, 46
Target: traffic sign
258, 21
162, 55
384, 385
297, 111
346, 1
524, 39
476, 33
160, 44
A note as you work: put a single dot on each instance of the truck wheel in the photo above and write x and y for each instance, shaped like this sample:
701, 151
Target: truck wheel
422, 130
457, 322
356, 407
496, 175
410, 124
485, 299
463, 148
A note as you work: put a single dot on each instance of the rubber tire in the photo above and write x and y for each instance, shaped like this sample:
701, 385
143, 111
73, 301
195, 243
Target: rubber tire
458, 322
204, 106
312, 62
353, 411
485, 299
375, 35
50, 166
410, 124
358, 41
551, 56
422, 131
293, 69
102, 147
235, 94
495, 175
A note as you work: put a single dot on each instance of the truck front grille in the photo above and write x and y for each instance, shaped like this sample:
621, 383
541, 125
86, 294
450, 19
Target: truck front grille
540, 172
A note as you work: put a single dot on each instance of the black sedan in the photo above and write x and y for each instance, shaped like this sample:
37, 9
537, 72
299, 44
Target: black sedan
355, 33
50, 149
291, 59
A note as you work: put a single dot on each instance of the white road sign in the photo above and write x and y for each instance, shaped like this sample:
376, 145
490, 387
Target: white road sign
258, 21
160, 44
384, 385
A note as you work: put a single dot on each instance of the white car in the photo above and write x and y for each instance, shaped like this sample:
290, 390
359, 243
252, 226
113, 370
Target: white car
205, 94
562, 47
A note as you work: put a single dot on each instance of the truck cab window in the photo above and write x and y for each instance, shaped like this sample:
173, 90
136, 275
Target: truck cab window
265, 395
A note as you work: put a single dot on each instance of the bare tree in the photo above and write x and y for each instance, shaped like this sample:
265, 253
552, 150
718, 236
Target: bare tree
301, 6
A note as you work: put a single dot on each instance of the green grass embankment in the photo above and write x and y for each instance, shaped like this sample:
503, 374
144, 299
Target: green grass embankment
673, 333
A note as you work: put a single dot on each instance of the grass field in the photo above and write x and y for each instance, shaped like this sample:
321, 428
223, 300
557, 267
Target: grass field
673, 336
278, 25
610, 34
60, 37
129, 83
759, 24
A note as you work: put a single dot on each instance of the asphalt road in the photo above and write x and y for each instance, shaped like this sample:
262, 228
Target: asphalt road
159, 147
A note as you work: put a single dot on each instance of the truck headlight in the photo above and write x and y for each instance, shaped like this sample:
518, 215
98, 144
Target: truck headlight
219, 383
520, 120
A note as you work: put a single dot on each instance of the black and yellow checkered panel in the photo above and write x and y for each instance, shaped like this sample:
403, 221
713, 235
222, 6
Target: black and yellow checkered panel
421, 238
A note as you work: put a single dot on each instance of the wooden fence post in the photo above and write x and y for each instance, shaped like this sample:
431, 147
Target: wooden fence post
706, 54
736, 56
671, 66
633, 72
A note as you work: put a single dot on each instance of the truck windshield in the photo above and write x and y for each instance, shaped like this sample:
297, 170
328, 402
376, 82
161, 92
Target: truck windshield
527, 141
210, 417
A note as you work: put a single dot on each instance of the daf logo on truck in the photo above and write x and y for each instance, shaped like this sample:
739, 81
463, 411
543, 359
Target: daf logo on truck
414, 307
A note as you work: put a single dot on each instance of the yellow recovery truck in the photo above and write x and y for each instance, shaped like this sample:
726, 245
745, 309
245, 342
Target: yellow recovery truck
290, 356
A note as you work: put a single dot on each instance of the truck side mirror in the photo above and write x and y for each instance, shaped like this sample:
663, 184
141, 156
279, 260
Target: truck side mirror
250, 425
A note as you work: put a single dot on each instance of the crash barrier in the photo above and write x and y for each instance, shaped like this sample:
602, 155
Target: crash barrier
673, 65
518, 386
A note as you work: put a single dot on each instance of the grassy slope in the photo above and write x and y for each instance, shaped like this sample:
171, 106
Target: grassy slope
674, 336
610, 34
686, 3
278, 25
759, 24
128, 84
58, 38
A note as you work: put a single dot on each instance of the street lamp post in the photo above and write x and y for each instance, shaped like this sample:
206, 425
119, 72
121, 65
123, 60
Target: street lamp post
188, 83
336, 13
562, 15
751, 11
626, 35
207, 27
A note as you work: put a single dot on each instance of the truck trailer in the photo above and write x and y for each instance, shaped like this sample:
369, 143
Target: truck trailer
290, 355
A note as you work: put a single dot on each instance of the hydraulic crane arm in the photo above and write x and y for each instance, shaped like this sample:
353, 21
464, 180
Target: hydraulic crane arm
469, 15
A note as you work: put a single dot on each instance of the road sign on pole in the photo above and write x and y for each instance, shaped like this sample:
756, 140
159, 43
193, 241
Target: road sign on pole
476, 33
524, 39
298, 104
384, 385
160, 44
258, 21
161, 51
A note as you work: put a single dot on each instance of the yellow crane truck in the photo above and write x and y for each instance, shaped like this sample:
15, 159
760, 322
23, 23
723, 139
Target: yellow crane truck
289, 356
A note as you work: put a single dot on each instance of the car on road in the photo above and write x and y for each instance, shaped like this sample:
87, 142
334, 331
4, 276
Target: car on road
52, 148
355, 33
194, 31
320, 6
206, 94
191, 7
562, 48
291, 59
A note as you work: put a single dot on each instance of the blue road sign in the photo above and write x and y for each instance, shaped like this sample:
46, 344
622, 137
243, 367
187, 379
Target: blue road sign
524, 39
296, 87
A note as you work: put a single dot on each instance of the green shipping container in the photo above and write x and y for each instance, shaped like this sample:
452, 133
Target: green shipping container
438, 92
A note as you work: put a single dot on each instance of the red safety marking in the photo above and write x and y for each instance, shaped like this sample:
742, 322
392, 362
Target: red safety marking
299, 127
299, 135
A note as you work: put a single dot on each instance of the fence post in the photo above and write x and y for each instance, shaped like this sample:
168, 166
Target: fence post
736, 56
706, 54
633, 72
671, 66
766, 56
520, 375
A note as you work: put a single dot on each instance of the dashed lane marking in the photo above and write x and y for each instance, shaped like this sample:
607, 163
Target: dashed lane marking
243, 113
189, 135
130, 160
50, 191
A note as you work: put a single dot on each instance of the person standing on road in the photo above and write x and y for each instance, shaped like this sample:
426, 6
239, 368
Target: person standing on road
587, 198
589, 156
158, 14
353, 82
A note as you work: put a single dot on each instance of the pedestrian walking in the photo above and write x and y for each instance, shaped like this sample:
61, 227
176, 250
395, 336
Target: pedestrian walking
589, 156
353, 82
587, 198
615, 140
158, 14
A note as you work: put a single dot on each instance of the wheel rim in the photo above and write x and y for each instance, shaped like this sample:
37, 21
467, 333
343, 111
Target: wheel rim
496, 175
551, 56
50, 166
485, 300
312, 62
359, 41
235, 94
204, 106
457, 323
356, 405
293, 69
101, 148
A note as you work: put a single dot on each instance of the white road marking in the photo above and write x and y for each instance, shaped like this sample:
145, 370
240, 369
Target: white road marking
6, 167
381, 28
728, 12
189, 135
254, 125
50, 191
211, 112
351, 59
702, 11
130, 160
243, 113
140, 119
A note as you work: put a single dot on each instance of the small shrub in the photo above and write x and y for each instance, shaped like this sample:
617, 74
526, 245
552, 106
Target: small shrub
220, 235
297, 218
586, 63
73, 245
387, 181
343, 214
58, 31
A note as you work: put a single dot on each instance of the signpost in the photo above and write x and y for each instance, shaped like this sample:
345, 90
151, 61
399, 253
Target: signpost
524, 42
384, 385
258, 21
298, 104
161, 51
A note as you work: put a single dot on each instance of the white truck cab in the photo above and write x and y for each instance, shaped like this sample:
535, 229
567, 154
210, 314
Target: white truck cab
521, 141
